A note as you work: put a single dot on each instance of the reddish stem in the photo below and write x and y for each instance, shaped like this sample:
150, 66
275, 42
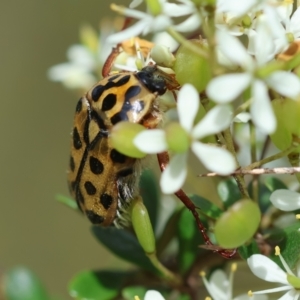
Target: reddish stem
163, 160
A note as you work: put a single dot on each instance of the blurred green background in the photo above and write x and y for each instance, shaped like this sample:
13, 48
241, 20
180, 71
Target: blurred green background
36, 121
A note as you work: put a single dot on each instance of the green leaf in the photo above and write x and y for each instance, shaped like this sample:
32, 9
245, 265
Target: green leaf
130, 292
238, 224
273, 184
150, 192
246, 251
123, 244
288, 240
101, 285
206, 207
67, 201
22, 284
189, 239
229, 192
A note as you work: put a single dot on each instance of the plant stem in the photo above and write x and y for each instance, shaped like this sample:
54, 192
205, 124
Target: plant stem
260, 171
239, 178
167, 274
183, 41
255, 186
294, 161
243, 107
270, 158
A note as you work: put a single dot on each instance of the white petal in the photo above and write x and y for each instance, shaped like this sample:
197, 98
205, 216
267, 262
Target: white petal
285, 200
173, 177
177, 10
226, 88
251, 41
242, 117
160, 23
239, 7
214, 158
295, 24
264, 268
81, 56
153, 295
216, 120
231, 47
274, 290
261, 108
130, 32
284, 11
263, 37
151, 141
219, 285
278, 32
187, 106
72, 76
298, 268
285, 220
285, 83
190, 24
163, 38
135, 3
290, 295
255, 297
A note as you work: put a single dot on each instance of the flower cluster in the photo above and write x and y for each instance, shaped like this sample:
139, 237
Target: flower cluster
240, 70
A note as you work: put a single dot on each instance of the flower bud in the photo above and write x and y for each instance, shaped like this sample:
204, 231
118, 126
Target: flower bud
122, 136
142, 225
177, 138
162, 56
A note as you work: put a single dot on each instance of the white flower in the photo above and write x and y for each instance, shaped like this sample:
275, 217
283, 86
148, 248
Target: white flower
77, 73
149, 23
86, 60
228, 87
153, 295
285, 200
213, 158
291, 24
266, 269
242, 7
220, 286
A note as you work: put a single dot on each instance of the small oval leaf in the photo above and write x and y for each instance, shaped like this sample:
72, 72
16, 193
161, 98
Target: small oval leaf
238, 224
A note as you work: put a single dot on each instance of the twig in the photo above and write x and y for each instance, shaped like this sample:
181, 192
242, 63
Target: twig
260, 171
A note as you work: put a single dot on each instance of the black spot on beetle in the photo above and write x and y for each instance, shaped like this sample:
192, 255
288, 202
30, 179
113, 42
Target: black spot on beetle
117, 157
79, 106
106, 200
76, 139
97, 92
125, 172
72, 163
96, 165
90, 188
94, 218
109, 102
